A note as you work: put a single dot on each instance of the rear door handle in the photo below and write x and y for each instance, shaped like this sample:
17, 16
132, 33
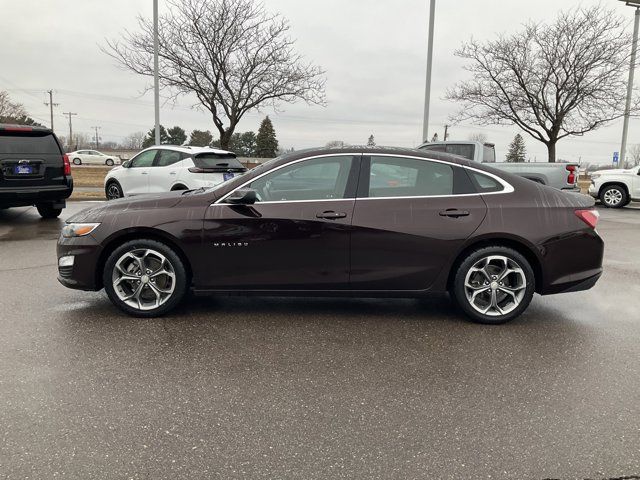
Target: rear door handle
331, 215
454, 213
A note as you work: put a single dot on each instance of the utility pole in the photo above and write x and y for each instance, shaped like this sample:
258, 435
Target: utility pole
51, 105
427, 91
97, 137
156, 82
627, 108
446, 135
70, 141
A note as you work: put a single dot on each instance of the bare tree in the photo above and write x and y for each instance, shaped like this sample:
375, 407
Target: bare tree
231, 54
478, 137
634, 154
9, 109
551, 80
133, 141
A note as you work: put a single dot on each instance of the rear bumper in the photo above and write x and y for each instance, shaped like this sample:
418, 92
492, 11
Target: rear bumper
576, 285
572, 262
23, 196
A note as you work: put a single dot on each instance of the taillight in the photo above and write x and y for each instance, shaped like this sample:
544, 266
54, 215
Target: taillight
67, 165
571, 178
590, 217
18, 129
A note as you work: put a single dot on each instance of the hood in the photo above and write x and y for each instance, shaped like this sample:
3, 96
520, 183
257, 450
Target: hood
115, 207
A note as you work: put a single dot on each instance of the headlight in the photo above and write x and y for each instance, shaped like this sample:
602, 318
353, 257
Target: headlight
595, 175
78, 229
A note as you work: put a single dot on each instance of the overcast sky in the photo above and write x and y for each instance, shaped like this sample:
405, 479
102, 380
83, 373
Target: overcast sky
374, 54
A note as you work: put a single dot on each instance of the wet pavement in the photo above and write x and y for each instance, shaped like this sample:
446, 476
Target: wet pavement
325, 388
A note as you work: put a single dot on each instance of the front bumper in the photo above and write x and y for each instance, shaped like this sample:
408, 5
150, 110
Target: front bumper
86, 253
593, 191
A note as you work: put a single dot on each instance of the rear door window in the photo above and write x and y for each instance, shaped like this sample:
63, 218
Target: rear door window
167, 157
409, 177
28, 144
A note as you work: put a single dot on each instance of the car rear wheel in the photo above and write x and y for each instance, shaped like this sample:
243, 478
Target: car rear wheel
109, 162
113, 190
46, 210
77, 161
614, 196
494, 285
145, 278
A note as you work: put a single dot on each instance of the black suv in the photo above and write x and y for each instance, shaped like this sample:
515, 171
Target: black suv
33, 170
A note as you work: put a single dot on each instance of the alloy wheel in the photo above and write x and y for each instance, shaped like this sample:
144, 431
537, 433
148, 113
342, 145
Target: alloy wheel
143, 279
113, 191
613, 197
495, 285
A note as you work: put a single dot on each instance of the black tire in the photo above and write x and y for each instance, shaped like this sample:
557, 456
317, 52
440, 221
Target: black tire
486, 286
113, 190
77, 161
46, 210
109, 162
144, 287
614, 196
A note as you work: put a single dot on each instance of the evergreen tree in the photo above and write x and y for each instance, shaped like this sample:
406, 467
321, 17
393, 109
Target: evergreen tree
150, 139
517, 150
177, 135
266, 142
201, 138
371, 142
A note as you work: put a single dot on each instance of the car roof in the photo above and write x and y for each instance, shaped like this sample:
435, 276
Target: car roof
188, 149
381, 150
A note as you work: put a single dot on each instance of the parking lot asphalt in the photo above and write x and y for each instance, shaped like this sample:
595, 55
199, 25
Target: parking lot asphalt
315, 388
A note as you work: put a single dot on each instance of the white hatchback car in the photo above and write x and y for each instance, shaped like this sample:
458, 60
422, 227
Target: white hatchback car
92, 157
166, 168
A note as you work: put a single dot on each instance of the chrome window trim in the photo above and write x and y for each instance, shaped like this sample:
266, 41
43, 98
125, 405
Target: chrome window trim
507, 187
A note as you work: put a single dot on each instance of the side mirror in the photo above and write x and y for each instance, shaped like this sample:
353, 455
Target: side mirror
243, 196
126, 164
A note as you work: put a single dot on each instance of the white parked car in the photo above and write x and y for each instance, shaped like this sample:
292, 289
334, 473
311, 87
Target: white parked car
165, 168
616, 188
92, 157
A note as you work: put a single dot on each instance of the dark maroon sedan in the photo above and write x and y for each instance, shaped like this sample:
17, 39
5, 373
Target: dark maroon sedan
375, 222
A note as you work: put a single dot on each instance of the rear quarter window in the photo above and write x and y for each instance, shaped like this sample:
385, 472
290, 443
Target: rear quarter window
28, 144
484, 183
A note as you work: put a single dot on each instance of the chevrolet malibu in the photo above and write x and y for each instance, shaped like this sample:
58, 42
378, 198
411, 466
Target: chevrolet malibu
366, 222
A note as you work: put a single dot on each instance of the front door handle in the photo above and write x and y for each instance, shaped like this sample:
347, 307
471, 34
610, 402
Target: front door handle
454, 213
144, 173
331, 215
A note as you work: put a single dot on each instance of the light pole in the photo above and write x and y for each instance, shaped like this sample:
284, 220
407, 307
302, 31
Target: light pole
427, 90
156, 83
627, 108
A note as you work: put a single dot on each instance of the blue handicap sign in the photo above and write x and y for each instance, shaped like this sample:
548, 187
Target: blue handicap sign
615, 157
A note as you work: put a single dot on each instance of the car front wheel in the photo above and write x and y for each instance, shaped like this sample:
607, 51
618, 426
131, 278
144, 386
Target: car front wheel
77, 161
113, 190
613, 196
494, 285
145, 278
